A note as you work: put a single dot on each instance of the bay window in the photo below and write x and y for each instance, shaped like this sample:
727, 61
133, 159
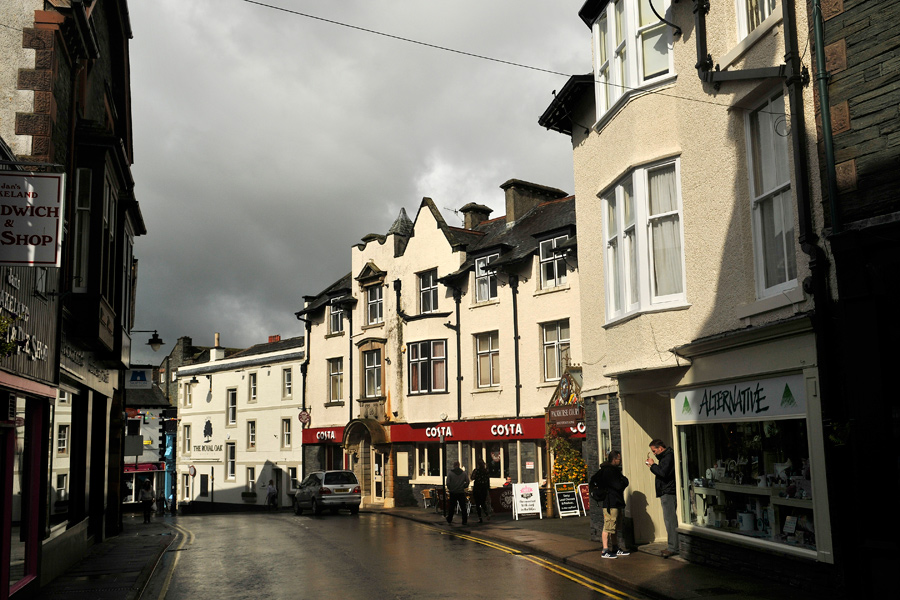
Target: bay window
642, 231
632, 50
372, 375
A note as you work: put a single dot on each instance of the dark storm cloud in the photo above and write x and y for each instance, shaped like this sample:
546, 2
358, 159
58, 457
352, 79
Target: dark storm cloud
267, 144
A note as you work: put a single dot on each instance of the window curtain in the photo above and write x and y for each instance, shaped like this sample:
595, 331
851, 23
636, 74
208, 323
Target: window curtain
665, 232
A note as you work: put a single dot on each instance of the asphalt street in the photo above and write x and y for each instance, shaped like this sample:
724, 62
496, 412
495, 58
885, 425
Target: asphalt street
279, 555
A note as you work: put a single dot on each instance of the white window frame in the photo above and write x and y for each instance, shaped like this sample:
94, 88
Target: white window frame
188, 394
770, 116
62, 439
560, 347
287, 382
424, 359
485, 278
628, 260
336, 379
428, 292
372, 373
230, 461
618, 40
251, 479
251, 434
335, 318
108, 240
186, 486
374, 305
487, 357
186, 439
293, 484
552, 260
752, 13
252, 387
231, 406
285, 433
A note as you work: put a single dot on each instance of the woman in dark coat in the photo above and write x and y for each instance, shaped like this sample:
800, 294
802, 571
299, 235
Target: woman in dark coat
481, 485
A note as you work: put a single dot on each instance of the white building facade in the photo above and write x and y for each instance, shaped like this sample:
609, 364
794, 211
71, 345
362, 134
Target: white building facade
238, 427
445, 344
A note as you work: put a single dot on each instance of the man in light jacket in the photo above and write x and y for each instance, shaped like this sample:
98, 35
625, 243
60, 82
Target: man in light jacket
457, 484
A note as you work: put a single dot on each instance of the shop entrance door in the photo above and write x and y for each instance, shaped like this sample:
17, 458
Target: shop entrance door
377, 476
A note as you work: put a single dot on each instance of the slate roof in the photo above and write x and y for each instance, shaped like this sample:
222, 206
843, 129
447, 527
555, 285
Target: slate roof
318, 302
151, 398
270, 347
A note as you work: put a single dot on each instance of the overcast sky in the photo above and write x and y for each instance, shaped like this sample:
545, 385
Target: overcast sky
267, 144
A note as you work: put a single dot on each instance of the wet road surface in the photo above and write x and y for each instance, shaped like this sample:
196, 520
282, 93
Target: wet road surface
368, 556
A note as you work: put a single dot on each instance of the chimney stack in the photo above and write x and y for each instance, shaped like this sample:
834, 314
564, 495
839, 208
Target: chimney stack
475, 214
274, 338
217, 339
522, 196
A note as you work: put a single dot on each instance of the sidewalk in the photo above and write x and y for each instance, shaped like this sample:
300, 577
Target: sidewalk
120, 567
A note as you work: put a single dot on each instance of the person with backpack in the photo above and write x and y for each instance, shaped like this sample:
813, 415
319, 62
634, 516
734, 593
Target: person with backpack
608, 490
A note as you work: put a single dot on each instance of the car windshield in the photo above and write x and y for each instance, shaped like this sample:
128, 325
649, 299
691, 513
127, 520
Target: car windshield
340, 478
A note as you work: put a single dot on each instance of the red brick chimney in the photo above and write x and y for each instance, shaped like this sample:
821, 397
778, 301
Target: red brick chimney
274, 338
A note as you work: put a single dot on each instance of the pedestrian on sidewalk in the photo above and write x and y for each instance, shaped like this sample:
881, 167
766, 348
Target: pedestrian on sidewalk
146, 498
481, 485
665, 491
457, 484
608, 486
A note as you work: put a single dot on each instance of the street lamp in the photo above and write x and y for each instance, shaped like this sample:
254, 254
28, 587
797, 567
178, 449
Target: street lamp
155, 341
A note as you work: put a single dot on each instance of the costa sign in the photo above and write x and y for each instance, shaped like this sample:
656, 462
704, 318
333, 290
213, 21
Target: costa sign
323, 435
512, 429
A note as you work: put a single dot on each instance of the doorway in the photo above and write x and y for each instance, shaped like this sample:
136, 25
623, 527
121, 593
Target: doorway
378, 463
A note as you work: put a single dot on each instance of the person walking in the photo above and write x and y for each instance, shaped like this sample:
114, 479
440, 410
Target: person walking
611, 484
664, 471
457, 484
146, 498
481, 485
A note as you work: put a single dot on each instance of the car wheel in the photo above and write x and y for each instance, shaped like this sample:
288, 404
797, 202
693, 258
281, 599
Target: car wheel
317, 510
297, 509
354, 510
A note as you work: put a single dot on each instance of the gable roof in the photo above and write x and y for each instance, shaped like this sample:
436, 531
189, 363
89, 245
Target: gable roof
341, 287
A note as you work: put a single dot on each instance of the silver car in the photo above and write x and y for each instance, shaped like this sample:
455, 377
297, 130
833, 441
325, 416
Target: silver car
333, 490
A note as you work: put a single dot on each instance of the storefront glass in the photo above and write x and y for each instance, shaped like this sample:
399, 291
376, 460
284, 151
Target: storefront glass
749, 478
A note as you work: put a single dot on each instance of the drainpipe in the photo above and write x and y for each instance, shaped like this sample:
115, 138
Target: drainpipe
350, 361
457, 298
822, 78
514, 286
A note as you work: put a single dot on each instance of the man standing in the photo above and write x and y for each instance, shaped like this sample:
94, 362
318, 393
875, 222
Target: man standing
457, 484
611, 484
665, 491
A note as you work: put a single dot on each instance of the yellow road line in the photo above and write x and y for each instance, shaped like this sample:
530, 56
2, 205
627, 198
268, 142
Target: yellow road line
187, 537
578, 578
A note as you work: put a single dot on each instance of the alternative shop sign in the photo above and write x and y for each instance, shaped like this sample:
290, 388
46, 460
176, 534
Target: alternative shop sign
566, 416
759, 399
31, 207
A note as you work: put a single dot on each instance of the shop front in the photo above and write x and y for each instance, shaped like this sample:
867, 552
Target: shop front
511, 448
748, 470
323, 449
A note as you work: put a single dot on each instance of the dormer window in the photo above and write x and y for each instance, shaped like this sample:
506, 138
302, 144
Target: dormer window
553, 263
485, 279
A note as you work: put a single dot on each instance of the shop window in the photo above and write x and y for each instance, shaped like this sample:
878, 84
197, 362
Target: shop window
750, 479
428, 458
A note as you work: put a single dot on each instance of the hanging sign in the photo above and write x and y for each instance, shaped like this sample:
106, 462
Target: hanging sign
566, 500
31, 207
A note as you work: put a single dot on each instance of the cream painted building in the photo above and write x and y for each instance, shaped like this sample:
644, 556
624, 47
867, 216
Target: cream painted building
693, 198
445, 343
238, 425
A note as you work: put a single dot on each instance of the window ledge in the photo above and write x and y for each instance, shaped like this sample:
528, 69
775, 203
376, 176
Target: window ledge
334, 334
653, 309
334, 403
372, 326
786, 298
558, 288
491, 302
486, 390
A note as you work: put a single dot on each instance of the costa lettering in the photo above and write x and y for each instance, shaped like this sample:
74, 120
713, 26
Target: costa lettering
433, 432
325, 435
506, 429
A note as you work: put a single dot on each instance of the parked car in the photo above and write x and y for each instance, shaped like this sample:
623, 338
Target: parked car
333, 490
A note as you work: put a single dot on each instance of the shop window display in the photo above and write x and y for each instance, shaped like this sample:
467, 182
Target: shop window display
749, 478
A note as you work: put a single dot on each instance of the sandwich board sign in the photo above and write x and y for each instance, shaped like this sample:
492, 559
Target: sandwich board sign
526, 500
566, 500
